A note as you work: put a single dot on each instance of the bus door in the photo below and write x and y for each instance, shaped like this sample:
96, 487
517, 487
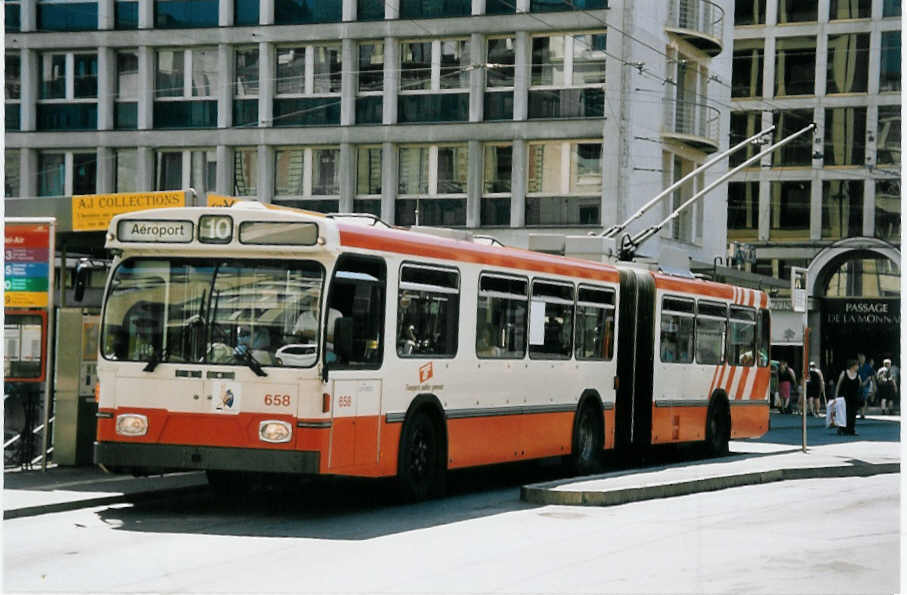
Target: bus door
635, 345
354, 346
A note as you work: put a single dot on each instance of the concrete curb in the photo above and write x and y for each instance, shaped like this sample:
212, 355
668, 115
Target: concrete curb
546, 494
142, 496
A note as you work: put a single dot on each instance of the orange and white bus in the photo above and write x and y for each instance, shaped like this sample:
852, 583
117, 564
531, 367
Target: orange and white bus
257, 339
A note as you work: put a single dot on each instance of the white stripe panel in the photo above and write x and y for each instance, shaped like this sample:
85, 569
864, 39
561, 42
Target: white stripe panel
750, 382
732, 389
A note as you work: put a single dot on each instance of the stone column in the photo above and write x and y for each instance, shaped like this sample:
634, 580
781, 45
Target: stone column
265, 174
476, 77
347, 177
478, 7
266, 85
348, 80
474, 184
224, 173
107, 170
106, 15
391, 78
146, 14
225, 13
266, 12
518, 183
348, 11
145, 105
28, 15
521, 75
107, 72
388, 181
226, 66
144, 169
29, 91
28, 177
392, 9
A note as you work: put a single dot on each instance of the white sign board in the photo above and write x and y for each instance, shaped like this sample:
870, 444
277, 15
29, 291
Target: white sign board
152, 230
798, 289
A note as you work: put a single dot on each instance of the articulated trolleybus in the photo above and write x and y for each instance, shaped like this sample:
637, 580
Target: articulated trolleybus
257, 339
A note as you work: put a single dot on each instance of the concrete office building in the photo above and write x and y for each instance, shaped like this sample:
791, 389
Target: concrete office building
831, 205
507, 116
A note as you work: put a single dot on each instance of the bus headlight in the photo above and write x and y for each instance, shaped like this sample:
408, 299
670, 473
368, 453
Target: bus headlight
132, 424
275, 431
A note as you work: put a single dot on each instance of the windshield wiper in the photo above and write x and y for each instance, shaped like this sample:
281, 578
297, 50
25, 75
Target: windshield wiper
157, 356
242, 353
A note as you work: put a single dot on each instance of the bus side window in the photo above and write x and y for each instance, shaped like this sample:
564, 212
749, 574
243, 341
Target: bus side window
711, 329
677, 330
741, 336
356, 307
552, 309
428, 308
594, 324
501, 317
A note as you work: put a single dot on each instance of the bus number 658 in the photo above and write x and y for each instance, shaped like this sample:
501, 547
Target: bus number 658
277, 400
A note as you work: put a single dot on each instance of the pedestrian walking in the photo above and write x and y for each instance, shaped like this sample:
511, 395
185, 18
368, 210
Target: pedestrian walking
887, 388
815, 389
787, 379
867, 379
849, 386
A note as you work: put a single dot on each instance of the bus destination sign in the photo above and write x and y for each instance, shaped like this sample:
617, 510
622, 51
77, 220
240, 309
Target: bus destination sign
154, 230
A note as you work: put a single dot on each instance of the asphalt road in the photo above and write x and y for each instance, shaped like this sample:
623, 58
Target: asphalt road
809, 536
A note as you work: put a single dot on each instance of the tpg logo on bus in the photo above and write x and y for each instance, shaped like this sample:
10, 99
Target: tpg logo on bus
426, 372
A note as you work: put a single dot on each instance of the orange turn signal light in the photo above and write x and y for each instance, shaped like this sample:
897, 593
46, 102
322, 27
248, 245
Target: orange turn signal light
325, 402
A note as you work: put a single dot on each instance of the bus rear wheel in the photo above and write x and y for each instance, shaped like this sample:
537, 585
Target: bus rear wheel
588, 441
419, 472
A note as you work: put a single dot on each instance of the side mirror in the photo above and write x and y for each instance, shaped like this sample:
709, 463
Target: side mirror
83, 270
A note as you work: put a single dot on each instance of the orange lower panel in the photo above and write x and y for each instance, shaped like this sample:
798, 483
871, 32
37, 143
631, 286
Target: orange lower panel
749, 421
678, 424
609, 429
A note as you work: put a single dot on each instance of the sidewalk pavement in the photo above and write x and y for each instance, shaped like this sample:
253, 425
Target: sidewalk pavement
33, 492
751, 462
775, 457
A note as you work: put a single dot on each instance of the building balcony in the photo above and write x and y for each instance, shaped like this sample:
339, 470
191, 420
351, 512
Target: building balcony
699, 22
695, 124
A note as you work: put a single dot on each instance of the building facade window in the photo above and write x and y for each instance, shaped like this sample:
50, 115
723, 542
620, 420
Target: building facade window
564, 183
126, 170
67, 15
795, 66
66, 174
308, 85
125, 15
245, 171
432, 185
848, 63
797, 11
186, 83
499, 77
369, 10
888, 139
370, 83
746, 75
565, 5
687, 226
888, 210
433, 9
13, 89
799, 151
842, 209
308, 177
744, 125
849, 9
12, 16
434, 81
176, 169
496, 181
568, 76
789, 211
245, 87
67, 97
245, 12
185, 14
845, 136
743, 211
369, 161
749, 12
304, 12
11, 173
890, 67
125, 115
891, 8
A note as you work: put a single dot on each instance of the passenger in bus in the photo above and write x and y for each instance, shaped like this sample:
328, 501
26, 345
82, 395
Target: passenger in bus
409, 341
485, 346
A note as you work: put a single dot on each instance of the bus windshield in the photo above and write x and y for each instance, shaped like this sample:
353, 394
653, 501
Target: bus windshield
213, 311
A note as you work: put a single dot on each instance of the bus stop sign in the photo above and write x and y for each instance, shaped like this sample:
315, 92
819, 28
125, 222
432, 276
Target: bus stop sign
798, 289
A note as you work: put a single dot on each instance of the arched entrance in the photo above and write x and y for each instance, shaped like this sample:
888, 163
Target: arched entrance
856, 286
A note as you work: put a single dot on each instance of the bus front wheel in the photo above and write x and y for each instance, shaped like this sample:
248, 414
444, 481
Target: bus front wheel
420, 474
718, 429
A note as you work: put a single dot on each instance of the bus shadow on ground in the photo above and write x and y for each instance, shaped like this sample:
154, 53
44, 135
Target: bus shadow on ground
359, 509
